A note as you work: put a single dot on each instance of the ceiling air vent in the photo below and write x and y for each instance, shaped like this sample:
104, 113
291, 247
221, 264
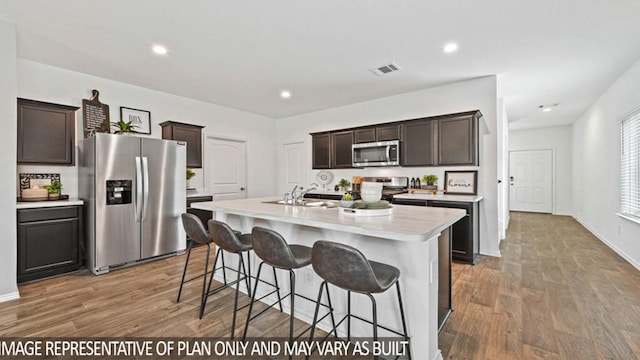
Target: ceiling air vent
386, 69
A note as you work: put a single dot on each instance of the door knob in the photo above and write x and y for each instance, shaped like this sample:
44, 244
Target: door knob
242, 189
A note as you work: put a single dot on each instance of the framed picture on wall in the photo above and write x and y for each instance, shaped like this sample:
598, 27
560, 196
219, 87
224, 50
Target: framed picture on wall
461, 182
141, 119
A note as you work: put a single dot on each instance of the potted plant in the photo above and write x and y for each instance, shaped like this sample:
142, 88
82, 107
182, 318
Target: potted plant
347, 200
343, 184
190, 174
124, 127
430, 181
54, 190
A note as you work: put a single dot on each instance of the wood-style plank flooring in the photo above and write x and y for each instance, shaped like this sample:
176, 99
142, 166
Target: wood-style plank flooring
556, 293
138, 301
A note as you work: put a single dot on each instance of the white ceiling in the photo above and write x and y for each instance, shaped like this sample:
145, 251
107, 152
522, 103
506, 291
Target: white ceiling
241, 54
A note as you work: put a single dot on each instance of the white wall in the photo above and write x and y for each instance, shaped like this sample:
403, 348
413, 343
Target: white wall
559, 140
51, 84
596, 166
503, 169
8, 144
462, 96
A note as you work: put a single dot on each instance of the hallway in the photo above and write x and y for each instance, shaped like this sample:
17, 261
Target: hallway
557, 293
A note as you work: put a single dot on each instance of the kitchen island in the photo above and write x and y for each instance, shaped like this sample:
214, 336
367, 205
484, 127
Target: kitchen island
407, 239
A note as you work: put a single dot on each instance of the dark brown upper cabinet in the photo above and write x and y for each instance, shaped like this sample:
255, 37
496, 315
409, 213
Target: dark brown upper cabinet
364, 135
458, 140
321, 150
378, 133
341, 153
444, 140
46, 133
191, 134
418, 143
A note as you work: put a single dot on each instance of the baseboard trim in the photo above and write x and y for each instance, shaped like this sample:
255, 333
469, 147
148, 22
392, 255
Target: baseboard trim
618, 251
10, 296
564, 214
491, 253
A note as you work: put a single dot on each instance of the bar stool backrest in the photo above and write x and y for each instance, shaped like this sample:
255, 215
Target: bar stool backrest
195, 229
272, 248
344, 266
223, 236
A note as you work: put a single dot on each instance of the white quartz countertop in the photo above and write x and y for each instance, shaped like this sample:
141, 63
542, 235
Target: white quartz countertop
407, 223
43, 204
461, 198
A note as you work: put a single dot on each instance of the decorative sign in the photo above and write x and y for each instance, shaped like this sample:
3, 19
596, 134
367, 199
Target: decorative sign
460, 182
140, 119
95, 115
29, 180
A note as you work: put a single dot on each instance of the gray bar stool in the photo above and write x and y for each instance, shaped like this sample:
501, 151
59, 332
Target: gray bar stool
225, 238
195, 230
273, 250
346, 267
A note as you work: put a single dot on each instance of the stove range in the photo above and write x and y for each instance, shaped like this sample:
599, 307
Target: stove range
392, 185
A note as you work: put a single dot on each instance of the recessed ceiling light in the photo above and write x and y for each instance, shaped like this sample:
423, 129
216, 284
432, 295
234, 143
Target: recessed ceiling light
285, 94
450, 47
547, 108
159, 49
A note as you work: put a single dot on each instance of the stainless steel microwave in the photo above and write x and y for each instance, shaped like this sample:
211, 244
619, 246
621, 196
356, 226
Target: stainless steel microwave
384, 153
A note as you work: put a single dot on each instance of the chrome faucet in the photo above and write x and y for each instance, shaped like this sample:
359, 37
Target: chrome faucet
296, 196
289, 197
299, 198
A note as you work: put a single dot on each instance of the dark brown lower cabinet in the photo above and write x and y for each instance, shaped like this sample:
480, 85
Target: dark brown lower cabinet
204, 215
48, 241
465, 234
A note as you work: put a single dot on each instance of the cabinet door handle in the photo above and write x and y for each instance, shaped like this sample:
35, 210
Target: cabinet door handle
242, 189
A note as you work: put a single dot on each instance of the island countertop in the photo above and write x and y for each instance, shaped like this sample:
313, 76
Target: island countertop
408, 239
406, 223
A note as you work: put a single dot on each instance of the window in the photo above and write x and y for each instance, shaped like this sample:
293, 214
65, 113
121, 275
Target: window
630, 165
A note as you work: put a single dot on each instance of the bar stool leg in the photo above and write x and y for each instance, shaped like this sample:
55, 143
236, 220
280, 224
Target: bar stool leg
184, 272
247, 278
205, 292
275, 280
253, 298
315, 314
333, 319
224, 267
235, 301
404, 323
348, 315
213, 271
292, 287
374, 310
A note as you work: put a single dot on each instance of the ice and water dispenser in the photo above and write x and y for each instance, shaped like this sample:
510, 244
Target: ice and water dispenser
119, 192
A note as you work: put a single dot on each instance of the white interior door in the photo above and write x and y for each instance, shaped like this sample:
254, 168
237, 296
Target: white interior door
531, 181
225, 168
292, 166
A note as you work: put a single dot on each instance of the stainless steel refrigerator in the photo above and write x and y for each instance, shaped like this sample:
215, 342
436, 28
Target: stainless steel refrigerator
134, 190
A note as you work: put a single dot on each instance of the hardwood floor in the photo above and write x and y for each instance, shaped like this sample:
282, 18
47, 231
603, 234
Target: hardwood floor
556, 293
138, 301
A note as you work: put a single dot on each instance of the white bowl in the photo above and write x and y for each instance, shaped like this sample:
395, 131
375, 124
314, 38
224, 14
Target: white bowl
370, 198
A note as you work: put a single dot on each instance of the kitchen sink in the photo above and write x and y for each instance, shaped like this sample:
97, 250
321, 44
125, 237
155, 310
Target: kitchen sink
323, 204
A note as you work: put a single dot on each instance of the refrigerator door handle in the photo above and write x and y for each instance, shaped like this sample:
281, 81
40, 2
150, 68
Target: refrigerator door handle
145, 203
138, 198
